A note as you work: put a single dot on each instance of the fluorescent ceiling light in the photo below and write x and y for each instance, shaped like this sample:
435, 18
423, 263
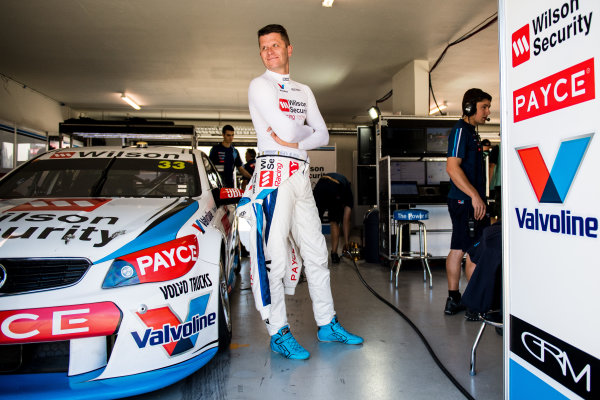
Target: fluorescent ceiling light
437, 109
129, 101
327, 3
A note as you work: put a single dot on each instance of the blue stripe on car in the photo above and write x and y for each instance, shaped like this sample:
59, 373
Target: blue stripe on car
61, 386
161, 233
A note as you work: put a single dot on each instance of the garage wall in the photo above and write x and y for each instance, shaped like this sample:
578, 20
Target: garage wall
27, 108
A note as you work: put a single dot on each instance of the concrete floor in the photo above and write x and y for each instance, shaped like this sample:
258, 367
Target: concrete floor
393, 363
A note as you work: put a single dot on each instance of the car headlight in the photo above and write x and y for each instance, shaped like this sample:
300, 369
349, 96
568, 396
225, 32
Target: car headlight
159, 263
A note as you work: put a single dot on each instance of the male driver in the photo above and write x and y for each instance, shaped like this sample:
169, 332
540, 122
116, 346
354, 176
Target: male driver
279, 202
225, 157
466, 198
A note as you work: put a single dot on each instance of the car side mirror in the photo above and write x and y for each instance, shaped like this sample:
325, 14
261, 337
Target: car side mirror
226, 196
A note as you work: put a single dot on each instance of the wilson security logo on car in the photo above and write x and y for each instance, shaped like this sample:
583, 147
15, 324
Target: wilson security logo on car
166, 329
553, 187
551, 28
563, 89
96, 230
159, 263
59, 323
64, 154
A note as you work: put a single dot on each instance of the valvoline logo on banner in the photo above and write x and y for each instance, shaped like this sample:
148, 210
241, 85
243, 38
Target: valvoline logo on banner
553, 187
284, 105
166, 329
566, 88
59, 323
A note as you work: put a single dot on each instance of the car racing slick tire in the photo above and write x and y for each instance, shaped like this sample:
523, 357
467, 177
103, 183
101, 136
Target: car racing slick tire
225, 325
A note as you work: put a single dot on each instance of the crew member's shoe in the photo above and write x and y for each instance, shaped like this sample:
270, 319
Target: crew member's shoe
453, 307
335, 259
334, 332
472, 315
285, 344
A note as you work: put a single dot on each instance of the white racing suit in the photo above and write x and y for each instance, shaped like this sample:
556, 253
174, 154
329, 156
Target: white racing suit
287, 108
279, 201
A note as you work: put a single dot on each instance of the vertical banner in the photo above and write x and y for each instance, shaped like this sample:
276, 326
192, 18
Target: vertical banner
549, 52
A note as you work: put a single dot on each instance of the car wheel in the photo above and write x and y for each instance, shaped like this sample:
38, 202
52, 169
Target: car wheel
225, 326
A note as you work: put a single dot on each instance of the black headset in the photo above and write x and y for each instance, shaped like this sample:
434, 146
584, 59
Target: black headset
470, 108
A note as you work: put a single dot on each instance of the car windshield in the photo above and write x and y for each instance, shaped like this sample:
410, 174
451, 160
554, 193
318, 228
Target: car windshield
108, 177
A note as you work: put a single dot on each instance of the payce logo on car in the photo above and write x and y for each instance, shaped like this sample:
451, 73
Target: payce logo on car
551, 28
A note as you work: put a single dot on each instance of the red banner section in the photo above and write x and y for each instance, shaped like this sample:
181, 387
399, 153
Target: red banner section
564, 89
59, 323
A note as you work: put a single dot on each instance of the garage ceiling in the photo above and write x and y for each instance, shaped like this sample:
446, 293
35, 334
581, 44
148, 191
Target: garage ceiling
196, 58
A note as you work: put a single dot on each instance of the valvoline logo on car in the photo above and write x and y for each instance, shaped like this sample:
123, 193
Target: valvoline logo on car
159, 263
59, 323
166, 329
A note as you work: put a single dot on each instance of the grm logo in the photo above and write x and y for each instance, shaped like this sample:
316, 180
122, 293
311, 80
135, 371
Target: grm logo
520, 46
553, 186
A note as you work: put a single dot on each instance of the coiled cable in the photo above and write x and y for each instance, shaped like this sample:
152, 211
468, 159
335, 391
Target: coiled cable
412, 325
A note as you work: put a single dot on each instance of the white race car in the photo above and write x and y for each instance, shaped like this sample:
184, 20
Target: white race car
115, 268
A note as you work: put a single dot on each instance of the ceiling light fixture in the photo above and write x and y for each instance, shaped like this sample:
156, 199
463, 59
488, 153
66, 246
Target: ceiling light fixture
129, 101
374, 113
437, 109
327, 3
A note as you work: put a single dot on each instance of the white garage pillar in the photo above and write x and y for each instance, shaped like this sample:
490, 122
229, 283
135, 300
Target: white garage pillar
411, 89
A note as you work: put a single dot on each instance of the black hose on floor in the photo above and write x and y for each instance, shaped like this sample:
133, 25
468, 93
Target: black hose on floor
412, 325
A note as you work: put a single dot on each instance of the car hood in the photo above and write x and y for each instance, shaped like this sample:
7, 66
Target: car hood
93, 228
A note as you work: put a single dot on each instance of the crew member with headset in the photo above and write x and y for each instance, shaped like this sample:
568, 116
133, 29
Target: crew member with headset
466, 198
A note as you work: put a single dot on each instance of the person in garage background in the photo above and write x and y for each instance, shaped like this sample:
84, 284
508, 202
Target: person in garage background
279, 202
249, 166
333, 194
466, 198
225, 157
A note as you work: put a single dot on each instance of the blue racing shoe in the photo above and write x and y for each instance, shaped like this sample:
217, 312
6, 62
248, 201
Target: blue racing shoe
285, 344
334, 332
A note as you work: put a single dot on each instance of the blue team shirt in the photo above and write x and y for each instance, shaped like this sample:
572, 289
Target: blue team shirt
227, 158
463, 144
